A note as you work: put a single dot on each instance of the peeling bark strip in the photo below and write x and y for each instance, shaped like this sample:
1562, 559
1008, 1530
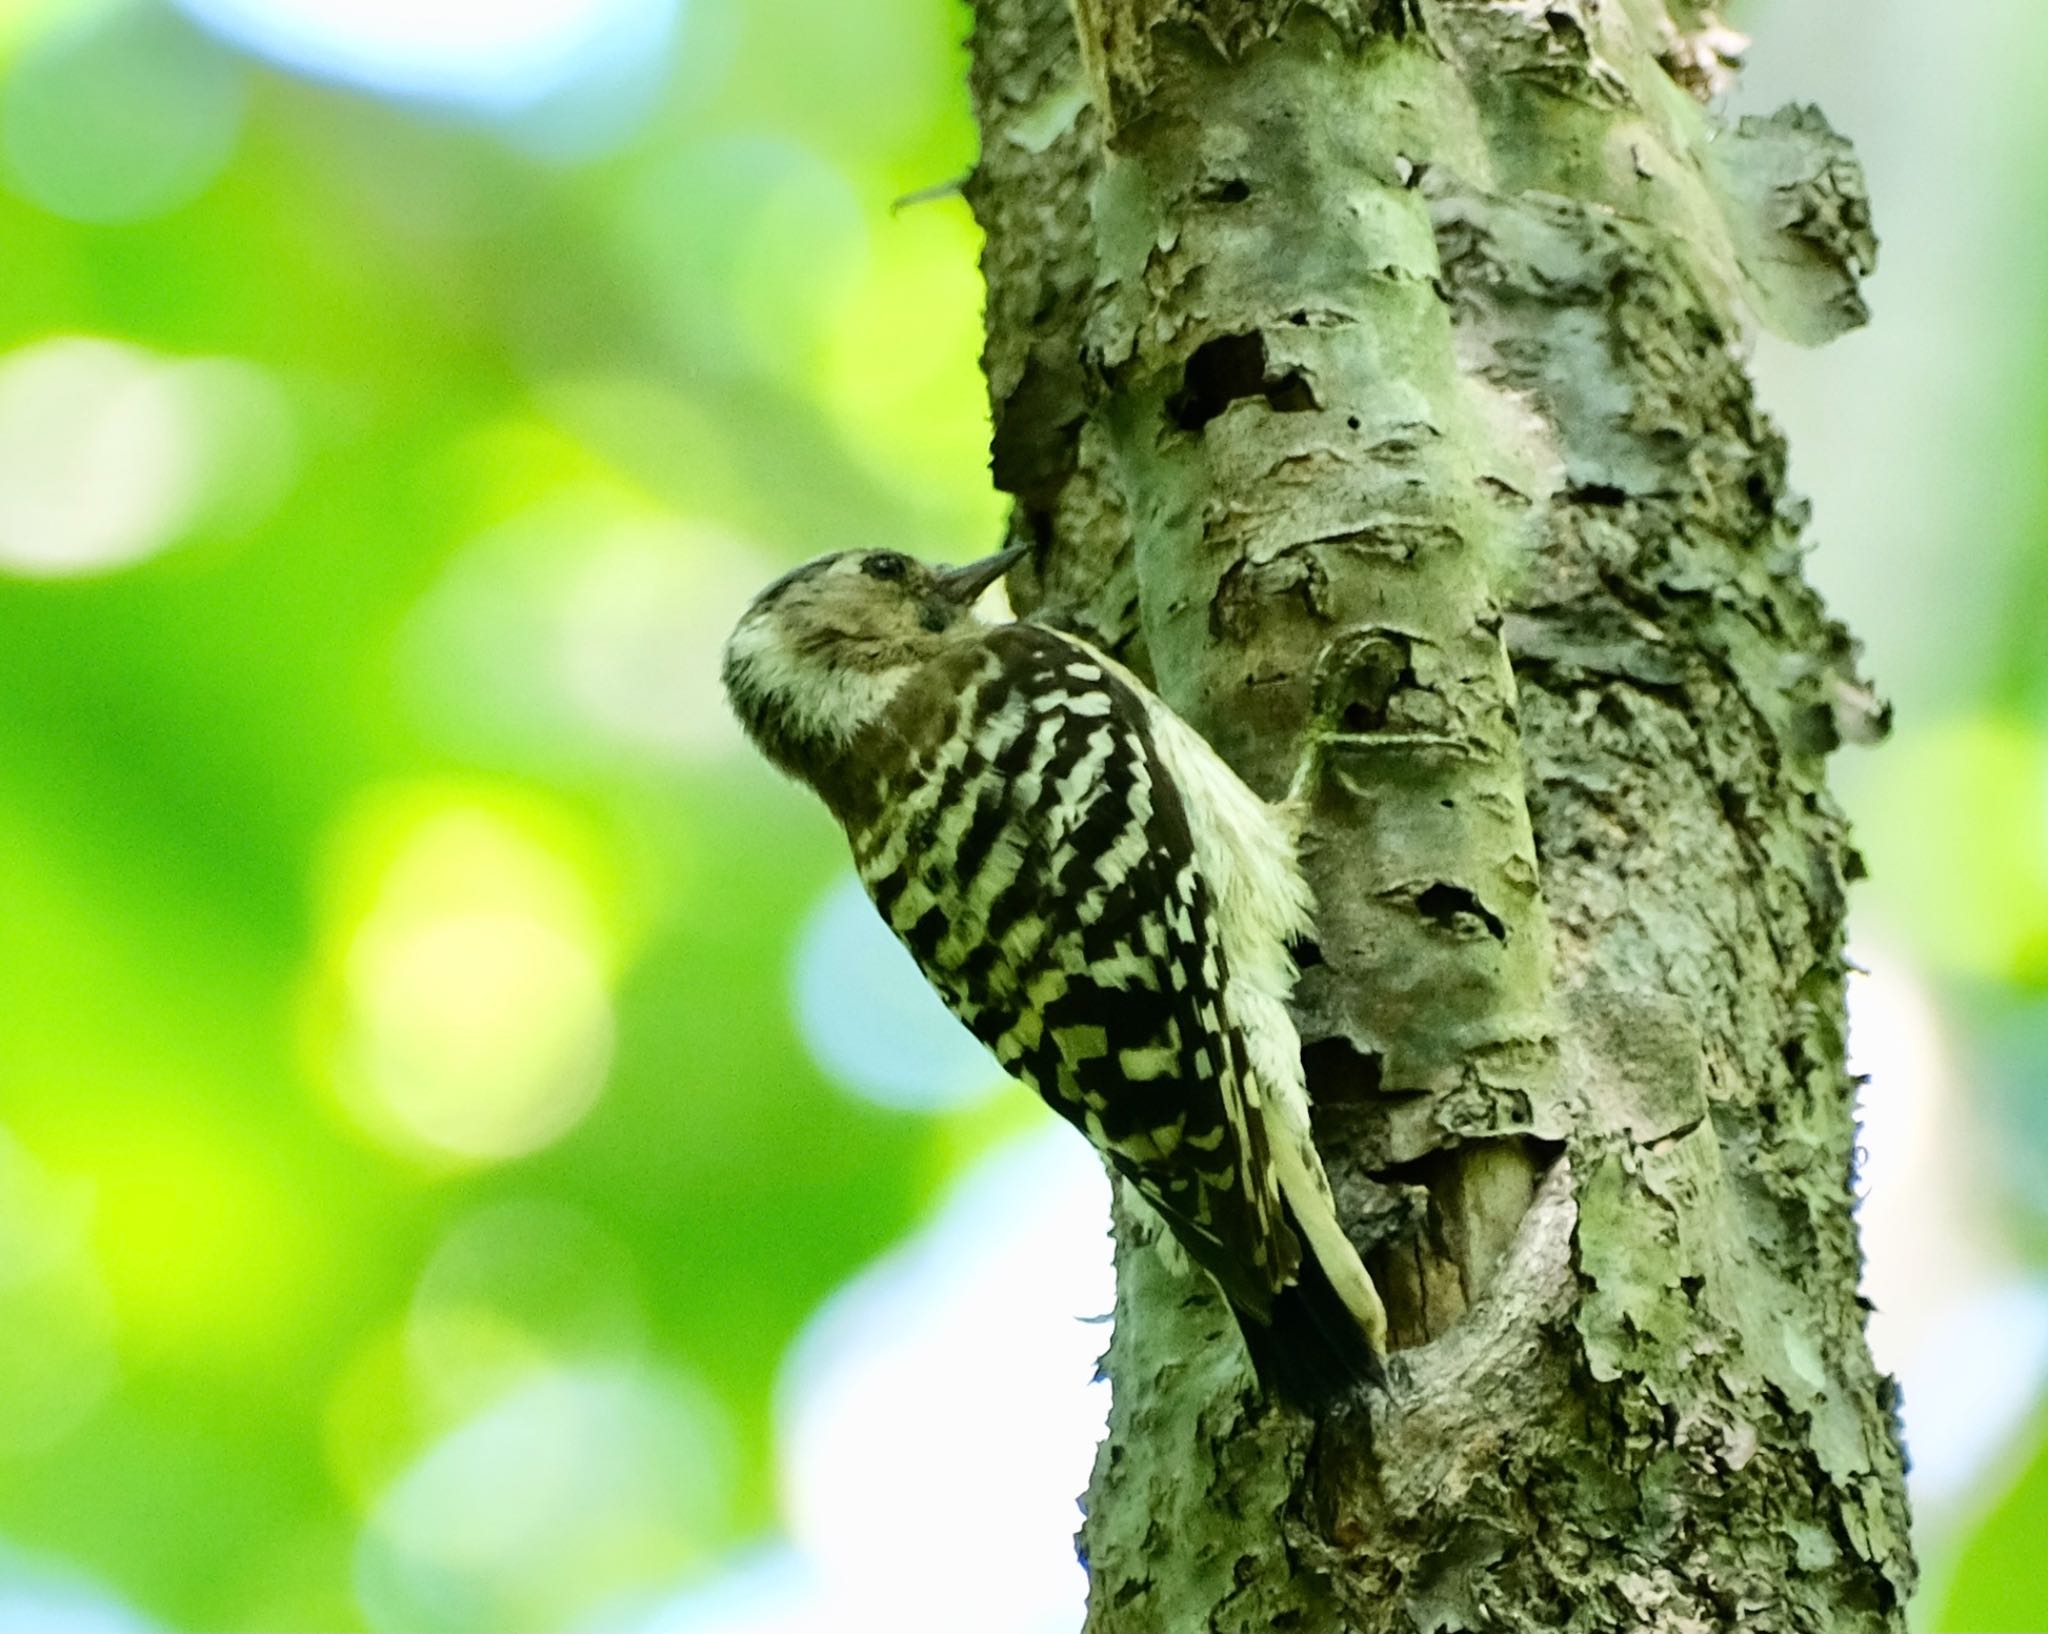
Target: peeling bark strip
1366, 372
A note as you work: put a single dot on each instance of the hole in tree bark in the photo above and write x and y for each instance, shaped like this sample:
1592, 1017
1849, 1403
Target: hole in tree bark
1290, 394
1474, 1197
1338, 1071
1451, 907
1227, 370
1030, 452
1379, 669
1233, 191
1308, 953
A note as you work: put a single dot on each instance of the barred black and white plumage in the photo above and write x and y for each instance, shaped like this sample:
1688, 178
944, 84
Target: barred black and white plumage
1095, 894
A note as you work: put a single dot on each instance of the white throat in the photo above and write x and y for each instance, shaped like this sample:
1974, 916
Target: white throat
822, 703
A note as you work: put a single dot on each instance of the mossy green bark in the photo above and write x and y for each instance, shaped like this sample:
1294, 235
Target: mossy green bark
1367, 373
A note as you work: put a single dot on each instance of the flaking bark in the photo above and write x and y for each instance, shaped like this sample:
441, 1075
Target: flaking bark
1367, 374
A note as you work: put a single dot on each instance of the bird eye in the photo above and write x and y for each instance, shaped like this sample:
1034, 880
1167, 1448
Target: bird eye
885, 564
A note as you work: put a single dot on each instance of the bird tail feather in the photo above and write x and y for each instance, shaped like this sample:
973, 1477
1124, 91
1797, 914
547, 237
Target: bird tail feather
1312, 1351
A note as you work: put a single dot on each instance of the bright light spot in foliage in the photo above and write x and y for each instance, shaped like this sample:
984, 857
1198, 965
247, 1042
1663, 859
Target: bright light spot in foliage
1895, 1041
486, 1034
872, 1021
583, 1485
643, 621
489, 55
958, 1365
474, 989
587, 627
1969, 1391
109, 453
119, 115
1962, 1327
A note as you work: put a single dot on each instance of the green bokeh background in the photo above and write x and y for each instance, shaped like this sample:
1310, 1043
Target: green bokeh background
424, 669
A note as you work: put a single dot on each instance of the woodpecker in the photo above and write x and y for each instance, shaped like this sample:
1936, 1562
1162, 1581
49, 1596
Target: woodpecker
1096, 895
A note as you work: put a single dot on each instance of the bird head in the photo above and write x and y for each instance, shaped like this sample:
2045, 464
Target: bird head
823, 650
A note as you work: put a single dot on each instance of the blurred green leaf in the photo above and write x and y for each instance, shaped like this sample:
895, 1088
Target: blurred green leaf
1995, 1584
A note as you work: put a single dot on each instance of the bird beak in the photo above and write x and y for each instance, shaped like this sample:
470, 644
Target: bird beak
964, 585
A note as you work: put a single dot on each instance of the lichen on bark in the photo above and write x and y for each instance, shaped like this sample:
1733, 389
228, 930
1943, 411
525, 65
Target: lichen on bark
1368, 372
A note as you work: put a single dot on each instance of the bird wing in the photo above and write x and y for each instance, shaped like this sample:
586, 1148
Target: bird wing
1036, 860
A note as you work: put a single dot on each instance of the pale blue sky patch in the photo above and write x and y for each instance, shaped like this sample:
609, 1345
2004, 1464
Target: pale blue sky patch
42, 1596
870, 1019
491, 57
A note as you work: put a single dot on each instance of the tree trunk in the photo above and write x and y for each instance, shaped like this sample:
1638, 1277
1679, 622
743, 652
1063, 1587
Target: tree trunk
1366, 372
